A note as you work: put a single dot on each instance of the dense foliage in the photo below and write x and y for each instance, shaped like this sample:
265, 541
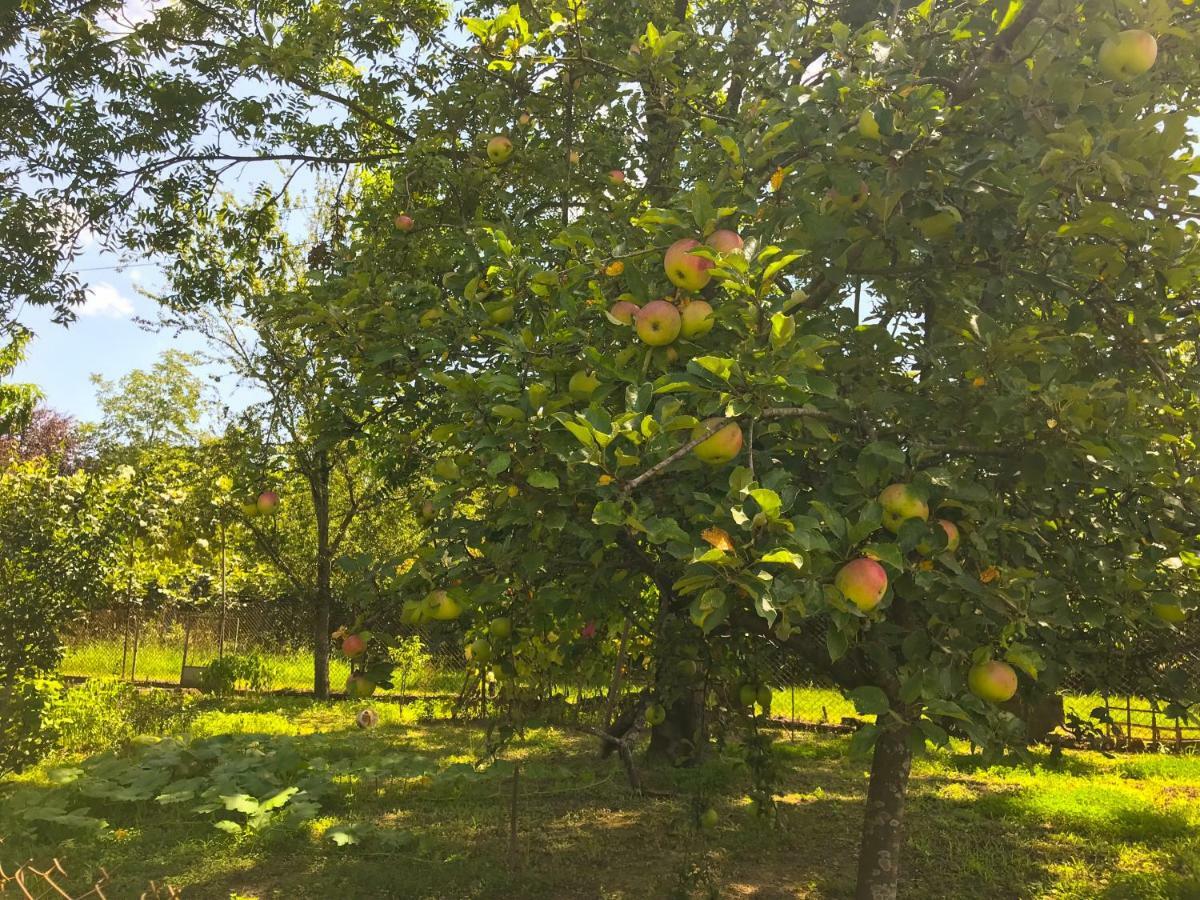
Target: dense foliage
964, 263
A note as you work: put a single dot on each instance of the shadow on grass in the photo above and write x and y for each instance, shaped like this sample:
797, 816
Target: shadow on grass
582, 834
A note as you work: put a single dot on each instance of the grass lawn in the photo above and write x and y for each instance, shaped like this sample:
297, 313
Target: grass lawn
161, 663
1085, 827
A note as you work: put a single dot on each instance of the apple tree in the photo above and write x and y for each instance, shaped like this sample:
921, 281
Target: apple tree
918, 380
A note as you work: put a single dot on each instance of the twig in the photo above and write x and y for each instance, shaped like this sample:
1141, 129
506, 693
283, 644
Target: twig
778, 412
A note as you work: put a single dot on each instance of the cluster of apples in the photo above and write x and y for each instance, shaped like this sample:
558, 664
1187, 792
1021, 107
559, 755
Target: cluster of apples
353, 645
481, 650
437, 606
660, 322
751, 693
263, 505
863, 581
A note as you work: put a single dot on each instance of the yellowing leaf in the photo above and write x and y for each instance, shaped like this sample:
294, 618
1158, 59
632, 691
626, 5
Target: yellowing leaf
718, 537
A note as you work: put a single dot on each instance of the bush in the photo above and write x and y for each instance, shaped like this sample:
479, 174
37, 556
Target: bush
103, 713
254, 672
25, 705
411, 659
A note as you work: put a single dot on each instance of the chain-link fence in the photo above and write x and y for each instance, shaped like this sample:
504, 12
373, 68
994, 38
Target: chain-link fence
272, 651
271, 647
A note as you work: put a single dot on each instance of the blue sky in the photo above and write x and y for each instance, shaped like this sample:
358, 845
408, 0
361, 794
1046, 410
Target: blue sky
105, 340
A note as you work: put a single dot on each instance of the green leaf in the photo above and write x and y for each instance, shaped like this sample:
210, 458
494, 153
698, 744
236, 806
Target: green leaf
863, 741
542, 479
784, 556
783, 328
768, 501
279, 799
242, 803
499, 463
1025, 658
607, 512
886, 553
948, 708
1014, 7
342, 835
717, 365
869, 700
508, 413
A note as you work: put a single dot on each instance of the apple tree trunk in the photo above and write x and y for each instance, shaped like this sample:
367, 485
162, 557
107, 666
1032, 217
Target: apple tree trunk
679, 739
883, 824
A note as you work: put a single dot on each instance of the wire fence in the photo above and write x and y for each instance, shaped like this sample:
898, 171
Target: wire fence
174, 647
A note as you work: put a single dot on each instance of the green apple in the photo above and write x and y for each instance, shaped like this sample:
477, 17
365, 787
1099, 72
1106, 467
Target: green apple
940, 225
748, 694
994, 681
837, 200
863, 582
582, 385
1129, 54
900, 502
441, 606
764, 696
708, 819
685, 269
479, 651
501, 312
655, 714
446, 468
501, 628
499, 149
719, 447
359, 686
658, 323
696, 320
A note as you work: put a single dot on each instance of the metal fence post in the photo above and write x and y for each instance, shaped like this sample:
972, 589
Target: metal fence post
187, 637
133, 661
125, 642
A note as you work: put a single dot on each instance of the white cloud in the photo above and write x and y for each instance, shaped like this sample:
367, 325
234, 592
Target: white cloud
106, 301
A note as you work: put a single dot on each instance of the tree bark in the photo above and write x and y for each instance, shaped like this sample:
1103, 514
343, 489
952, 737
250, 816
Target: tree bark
883, 834
322, 597
678, 738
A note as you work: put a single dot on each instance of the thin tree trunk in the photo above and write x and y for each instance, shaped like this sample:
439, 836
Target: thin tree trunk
883, 834
322, 600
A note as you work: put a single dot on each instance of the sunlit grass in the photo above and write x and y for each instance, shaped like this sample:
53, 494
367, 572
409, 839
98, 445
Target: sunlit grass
1081, 826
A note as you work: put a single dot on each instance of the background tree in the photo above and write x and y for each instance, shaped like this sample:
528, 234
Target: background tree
47, 433
54, 546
